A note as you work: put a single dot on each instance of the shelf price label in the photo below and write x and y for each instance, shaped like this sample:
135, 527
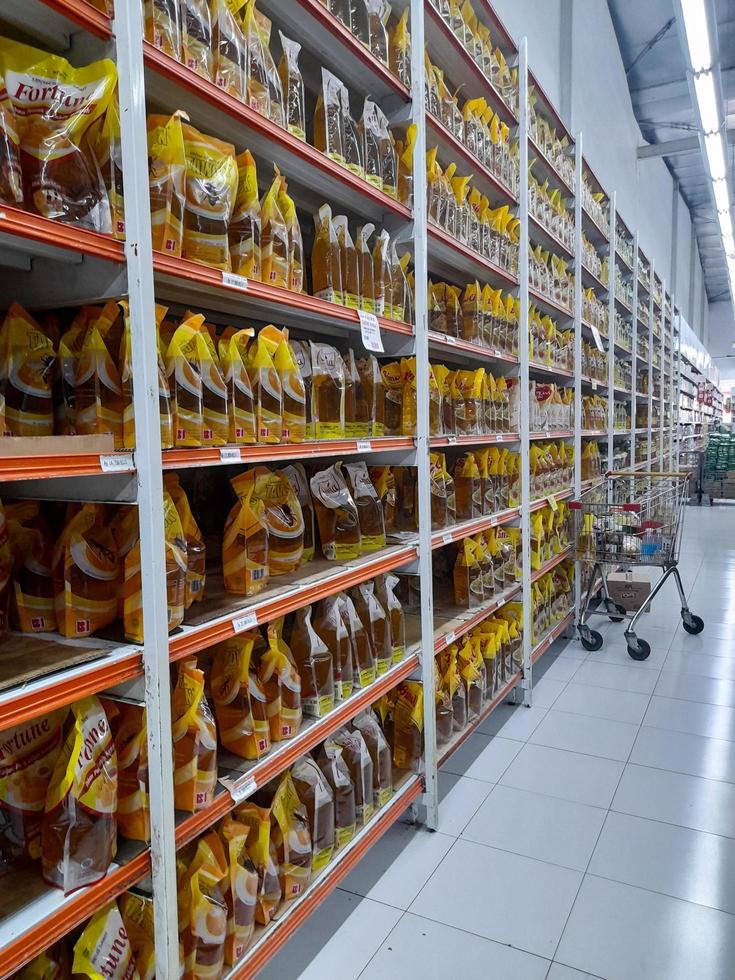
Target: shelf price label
364, 445
596, 337
235, 282
551, 500
119, 463
447, 538
451, 340
240, 791
452, 440
594, 384
450, 638
229, 453
370, 330
245, 622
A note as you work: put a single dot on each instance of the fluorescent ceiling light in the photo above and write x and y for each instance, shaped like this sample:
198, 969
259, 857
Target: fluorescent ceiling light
697, 34
725, 224
722, 195
715, 150
709, 112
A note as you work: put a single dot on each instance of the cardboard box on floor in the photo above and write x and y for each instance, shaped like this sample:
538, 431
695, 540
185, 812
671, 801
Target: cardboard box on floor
629, 591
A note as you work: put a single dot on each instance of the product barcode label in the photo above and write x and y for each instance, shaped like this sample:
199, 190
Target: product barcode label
118, 463
594, 385
447, 538
364, 445
450, 638
234, 282
240, 791
370, 330
597, 338
229, 452
245, 622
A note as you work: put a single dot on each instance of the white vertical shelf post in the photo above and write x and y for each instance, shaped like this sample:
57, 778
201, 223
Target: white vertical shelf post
662, 382
421, 276
577, 351
611, 266
651, 338
634, 321
524, 376
139, 256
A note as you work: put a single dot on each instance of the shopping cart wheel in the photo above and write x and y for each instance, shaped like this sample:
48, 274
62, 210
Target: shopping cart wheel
593, 640
619, 618
639, 649
691, 623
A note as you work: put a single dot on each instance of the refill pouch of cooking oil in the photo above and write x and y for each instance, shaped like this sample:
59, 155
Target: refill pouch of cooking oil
369, 506
296, 476
240, 403
267, 391
348, 263
468, 488
385, 486
370, 131
137, 915
276, 111
293, 393
408, 422
244, 229
295, 241
203, 910
163, 26
332, 630
357, 419
337, 515
376, 622
196, 552
196, 37
126, 382
239, 698
371, 379
282, 512
105, 143
230, 51
257, 74
316, 795
274, 239
327, 392
382, 274
336, 771
326, 271
245, 547
98, 395
128, 724
314, 662
85, 573
385, 586
282, 685
365, 269
328, 125
364, 664
290, 834
468, 585
405, 153
302, 355
211, 188
240, 888
104, 948
394, 394
28, 537
262, 853
293, 87
408, 726
185, 383
195, 740
26, 375
399, 50
167, 182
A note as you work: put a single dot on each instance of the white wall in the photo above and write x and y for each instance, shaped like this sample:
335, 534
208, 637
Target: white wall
602, 111
721, 339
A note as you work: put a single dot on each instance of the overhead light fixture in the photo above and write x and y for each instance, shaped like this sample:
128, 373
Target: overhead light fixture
715, 149
697, 33
709, 111
722, 195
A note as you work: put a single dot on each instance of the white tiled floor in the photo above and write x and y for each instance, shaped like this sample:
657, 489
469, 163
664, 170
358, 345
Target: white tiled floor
592, 835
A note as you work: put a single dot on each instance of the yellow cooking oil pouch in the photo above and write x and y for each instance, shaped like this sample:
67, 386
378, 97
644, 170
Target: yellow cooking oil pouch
408, 420
267, 392
293, 391
194, 736
137, 915
211, 187
240, 889
167, 182
282, 684
126, 381
327, 392
26, 375
245, 547
274, 240
104, 951
326, 269
239, 698
99, 398
215, 420
85, 573
185, 383
240, 402
244, 230
282, 512
196, 551
295, 241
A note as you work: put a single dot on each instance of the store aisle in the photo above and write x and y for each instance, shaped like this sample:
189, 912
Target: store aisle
590, 835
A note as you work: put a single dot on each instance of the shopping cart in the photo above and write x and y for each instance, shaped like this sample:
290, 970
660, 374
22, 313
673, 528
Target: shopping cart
634, 519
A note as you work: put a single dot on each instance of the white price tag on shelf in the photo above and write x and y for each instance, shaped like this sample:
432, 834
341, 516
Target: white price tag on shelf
447, 538
452, 440
552, 503
594, 385
240, 791
451, 340
364, 445
119, 463
597, 338
246, 622
229, 453
370, 330
499, 437
450, 638
234, 282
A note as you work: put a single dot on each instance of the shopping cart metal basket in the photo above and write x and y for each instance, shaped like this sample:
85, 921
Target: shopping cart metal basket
634, 519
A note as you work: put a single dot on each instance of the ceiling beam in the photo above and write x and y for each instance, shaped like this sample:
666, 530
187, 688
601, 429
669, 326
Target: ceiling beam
686, 144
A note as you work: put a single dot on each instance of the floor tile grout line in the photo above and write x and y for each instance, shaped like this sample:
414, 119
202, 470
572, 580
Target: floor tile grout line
655, 891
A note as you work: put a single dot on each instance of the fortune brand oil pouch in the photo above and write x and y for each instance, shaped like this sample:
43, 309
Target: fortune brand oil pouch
11, 177
408, 726
245, 547
356, 405
215, 422
372, 383
295, 241
355, 753
282, 686
293, 393
337, 515
244, 229
296, 476
262, 853
393, 382
85, 572
185, 384
316, 795
367, 725
211, 188
60, 180
326, 268
32, 608
332, 764
363, 655
292, 840
53, 964
376, 623
332, 629
128, 723
195, 741
327, 392
203, 909
163, 27
314, 662
78, 838
99, 399
293, 87
348, 264
282, 513
103, 951
274, 239
106, 144
230, 51
369, 507
26, 375
196, 37
196, 552
328, 125
240, 888
302, 355
240, 403
28, 754
385, 586
267, 392
126, 382
137, 915
239, 699
275, 92
167, 182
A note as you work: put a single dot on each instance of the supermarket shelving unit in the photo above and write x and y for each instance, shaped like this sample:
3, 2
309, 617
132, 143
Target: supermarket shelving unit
58, 265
